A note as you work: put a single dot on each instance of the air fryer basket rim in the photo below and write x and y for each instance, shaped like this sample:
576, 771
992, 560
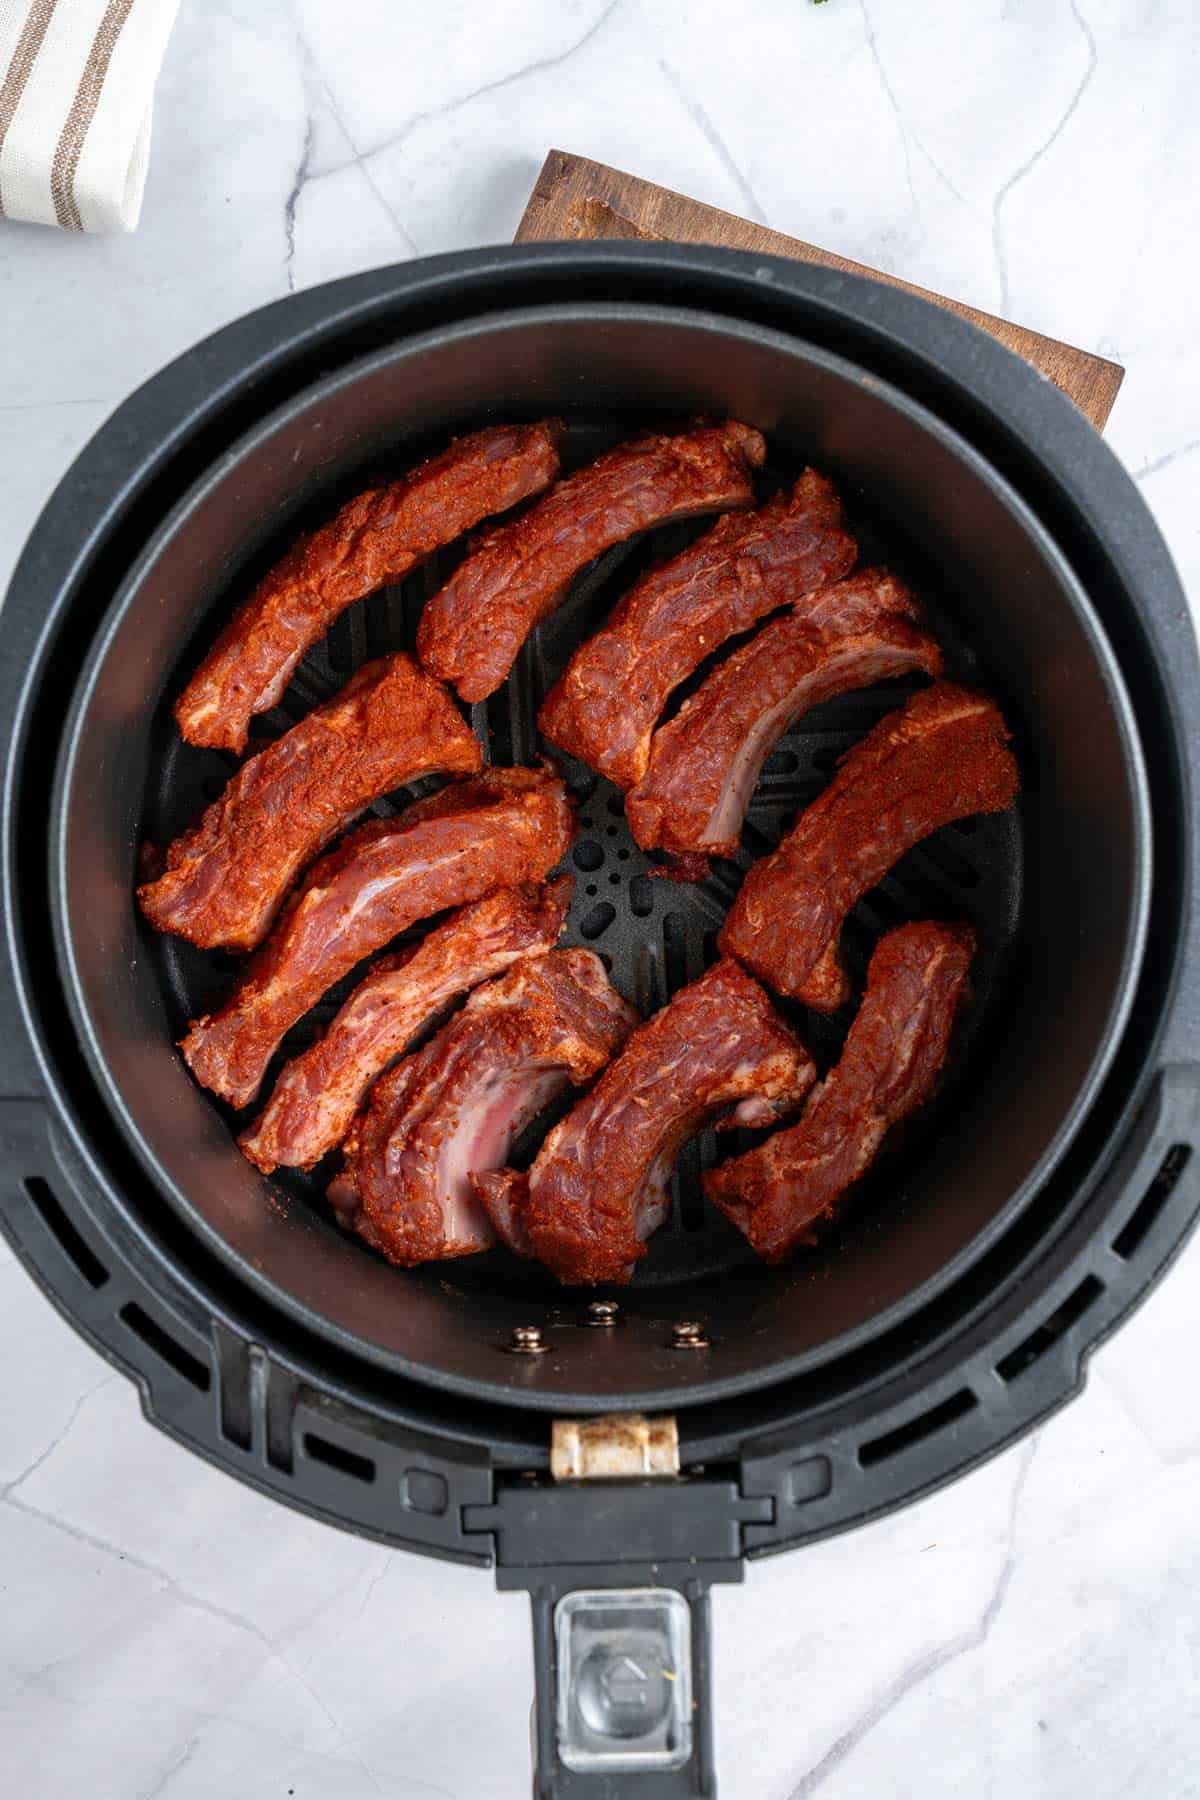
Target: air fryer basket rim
137, 461
489, 327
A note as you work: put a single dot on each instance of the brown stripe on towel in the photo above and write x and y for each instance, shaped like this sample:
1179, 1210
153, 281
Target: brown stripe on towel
83, 110
23, 58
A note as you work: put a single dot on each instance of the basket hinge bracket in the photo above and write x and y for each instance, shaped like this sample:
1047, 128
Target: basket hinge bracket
614, 1447
639, 1540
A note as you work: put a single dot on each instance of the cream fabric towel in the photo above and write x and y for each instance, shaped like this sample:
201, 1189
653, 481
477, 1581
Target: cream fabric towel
76, 92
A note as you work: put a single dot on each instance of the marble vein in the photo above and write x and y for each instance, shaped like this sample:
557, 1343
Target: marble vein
933, 1661
1170, 1457
890, 95
23, 406
1165, 461
314, 79
538, 67
43, 1456
938, 170
196, 1603
360, 163
999, 247
293, 198
172, 1769
369, 1592
715, 142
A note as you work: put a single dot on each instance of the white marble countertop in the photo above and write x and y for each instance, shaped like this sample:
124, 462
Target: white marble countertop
1033, 1631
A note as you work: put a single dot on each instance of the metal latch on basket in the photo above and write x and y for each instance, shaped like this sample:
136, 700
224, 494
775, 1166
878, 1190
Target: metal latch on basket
616, 1446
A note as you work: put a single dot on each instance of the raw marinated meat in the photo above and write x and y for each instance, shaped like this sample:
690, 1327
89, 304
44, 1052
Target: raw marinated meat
454, 1109
705, 763
783, 1191
598, 1187
471, 631
943, 756
375, 539
604, 707
319, 1092
227, 876
506, 826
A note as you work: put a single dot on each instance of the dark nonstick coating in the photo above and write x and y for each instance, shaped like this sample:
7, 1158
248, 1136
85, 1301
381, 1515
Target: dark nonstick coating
1058, 893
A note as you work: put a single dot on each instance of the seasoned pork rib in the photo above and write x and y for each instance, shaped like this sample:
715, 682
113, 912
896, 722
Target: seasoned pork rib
942, 756
506, 826
705, 762
598, 1187
504, 1197
780, 1193
375, 539
471, 630
605, 705
454, 1109
227, 876
319, 1092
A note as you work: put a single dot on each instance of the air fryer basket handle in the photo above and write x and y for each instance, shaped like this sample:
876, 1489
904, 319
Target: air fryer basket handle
694, 1777
618, 1573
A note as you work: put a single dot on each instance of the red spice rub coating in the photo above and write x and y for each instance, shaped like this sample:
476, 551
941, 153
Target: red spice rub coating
226, 877
942, 756
375, 539
454, 1109
604, 706
598, 1187
504, 1197
471, 631
705, 762
506, 826
319, 1092
782, 1191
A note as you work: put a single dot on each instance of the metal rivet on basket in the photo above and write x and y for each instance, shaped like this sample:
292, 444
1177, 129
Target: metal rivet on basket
527, 1340
689, 1334
603, 1312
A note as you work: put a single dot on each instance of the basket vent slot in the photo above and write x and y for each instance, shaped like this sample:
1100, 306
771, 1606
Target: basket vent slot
164, 1346
1153, 1200
596, 921
924, 1425
1050, 1330
49, 1209
336, 1456
641, 897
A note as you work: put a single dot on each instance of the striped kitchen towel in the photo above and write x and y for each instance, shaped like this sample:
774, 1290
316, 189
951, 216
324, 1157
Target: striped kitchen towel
76, 92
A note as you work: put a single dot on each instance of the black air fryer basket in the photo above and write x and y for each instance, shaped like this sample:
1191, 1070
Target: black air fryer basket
1024, 1215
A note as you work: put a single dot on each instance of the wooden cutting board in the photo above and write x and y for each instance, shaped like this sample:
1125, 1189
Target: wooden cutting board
575, 198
